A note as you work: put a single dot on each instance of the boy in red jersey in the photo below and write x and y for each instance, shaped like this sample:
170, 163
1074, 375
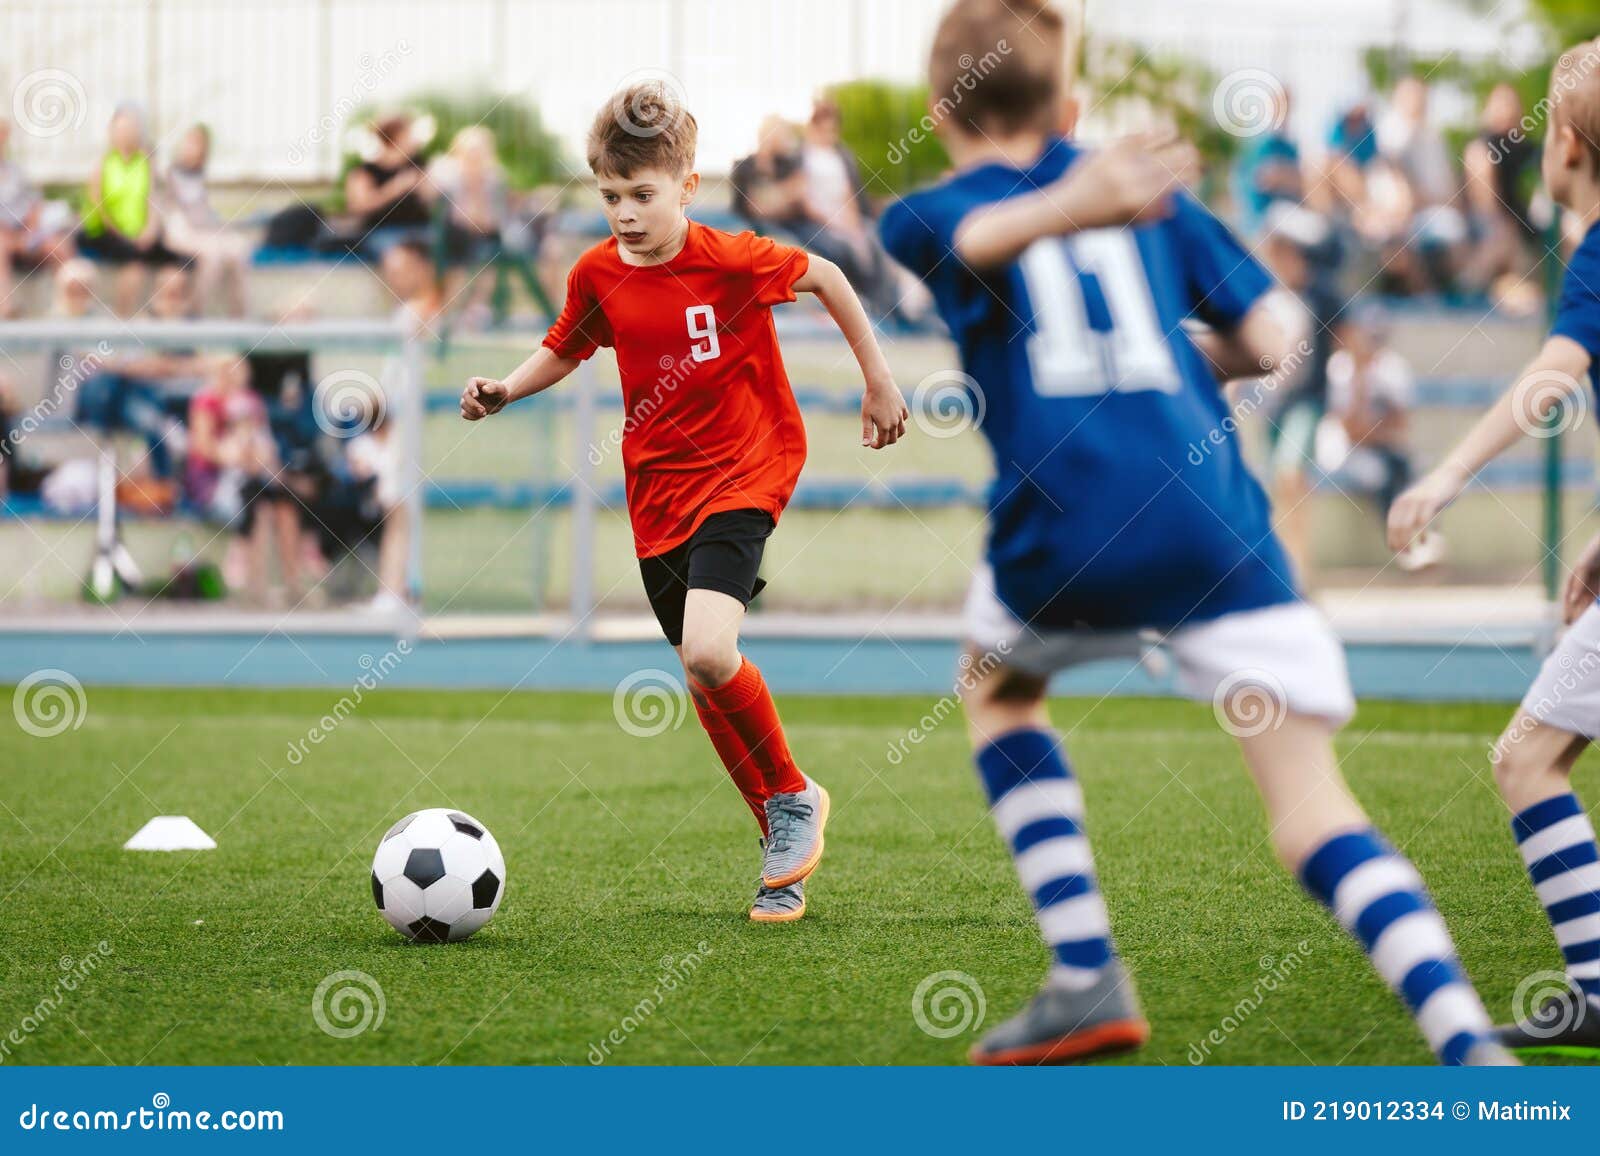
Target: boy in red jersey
713, 442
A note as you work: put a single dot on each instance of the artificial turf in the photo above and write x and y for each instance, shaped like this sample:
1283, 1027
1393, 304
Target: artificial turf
631, 863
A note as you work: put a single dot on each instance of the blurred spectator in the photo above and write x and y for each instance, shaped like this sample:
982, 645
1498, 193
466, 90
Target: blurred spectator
20, 473
811, 195
1384, 222
74, 290
231, 474
33, 233
1497, 161
475, 210
192, 228
409, 272
387, 191
1303, 254
769, 186
1352, 147
1268, 171
1364, 436
147, 393
120, 226
1409, 140
1423, 182
375, 456
841, 215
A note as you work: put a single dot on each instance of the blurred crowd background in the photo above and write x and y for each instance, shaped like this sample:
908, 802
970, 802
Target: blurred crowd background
1391, 181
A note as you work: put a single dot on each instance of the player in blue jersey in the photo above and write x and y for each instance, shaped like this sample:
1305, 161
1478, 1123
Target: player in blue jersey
1123, 513
1560, 714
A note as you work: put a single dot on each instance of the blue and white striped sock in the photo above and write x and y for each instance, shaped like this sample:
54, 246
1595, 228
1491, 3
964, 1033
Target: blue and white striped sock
1377, 895
1558, 845
1038, 806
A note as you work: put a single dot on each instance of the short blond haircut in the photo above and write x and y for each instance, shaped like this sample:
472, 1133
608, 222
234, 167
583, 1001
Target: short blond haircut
1575, 93
643, 126
1000, 65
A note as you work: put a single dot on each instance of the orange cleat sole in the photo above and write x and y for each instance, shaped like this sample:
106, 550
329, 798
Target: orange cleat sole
815, 857
786, 917
1105, 1039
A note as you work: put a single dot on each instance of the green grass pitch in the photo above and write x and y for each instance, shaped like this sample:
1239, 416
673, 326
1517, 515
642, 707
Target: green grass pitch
626, 855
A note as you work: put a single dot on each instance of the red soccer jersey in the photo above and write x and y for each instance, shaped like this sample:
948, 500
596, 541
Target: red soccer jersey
710, 422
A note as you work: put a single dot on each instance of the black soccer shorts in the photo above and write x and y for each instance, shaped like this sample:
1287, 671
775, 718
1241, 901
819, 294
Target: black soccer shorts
724, 554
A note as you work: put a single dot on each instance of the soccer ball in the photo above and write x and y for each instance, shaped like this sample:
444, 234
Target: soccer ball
438, 876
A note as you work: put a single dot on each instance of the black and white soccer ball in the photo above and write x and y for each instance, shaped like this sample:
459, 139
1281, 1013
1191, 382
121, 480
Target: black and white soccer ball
438, 876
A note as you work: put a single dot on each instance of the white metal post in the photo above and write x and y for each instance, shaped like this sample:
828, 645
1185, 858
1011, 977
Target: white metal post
583, 503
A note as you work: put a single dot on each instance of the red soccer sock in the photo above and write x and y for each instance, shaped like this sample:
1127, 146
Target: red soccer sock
742, 769
746, 703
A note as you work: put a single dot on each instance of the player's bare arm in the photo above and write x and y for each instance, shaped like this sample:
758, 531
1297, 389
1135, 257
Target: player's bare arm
1259, 345
883, 408
484, 396
1125, 183
1555, 375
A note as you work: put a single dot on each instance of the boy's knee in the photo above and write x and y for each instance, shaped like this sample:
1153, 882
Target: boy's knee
710, 661
1515, 760
1001, 699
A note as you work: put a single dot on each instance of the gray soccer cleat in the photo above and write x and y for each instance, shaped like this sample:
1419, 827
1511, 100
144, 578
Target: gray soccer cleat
1062, 1026
1565, 1024
779, 904
795, 820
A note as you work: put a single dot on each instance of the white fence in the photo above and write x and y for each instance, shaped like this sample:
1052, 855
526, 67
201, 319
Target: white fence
282, 81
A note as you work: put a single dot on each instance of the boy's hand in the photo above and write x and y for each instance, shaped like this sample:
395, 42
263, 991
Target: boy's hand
1420, 505
1583, 584
1127, 182
883, 415
482, 397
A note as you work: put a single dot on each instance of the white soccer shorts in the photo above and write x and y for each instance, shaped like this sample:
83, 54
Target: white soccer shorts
1566, 692
1289, 649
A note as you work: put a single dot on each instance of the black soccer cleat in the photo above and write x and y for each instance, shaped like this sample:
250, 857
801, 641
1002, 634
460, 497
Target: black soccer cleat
1565, 1024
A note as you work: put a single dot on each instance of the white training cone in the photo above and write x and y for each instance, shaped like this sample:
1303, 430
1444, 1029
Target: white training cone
170, 833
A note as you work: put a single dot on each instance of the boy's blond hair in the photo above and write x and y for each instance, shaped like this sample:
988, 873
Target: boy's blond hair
643, 126
1000, 65
1575, 93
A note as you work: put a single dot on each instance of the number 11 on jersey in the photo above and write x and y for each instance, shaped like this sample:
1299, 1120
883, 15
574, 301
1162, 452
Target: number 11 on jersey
1071, 358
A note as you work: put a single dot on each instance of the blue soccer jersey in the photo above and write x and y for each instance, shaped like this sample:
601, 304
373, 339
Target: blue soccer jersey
1578, 317
1120, 498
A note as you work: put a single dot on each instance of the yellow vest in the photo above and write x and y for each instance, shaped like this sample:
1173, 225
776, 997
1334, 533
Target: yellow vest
124, 195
